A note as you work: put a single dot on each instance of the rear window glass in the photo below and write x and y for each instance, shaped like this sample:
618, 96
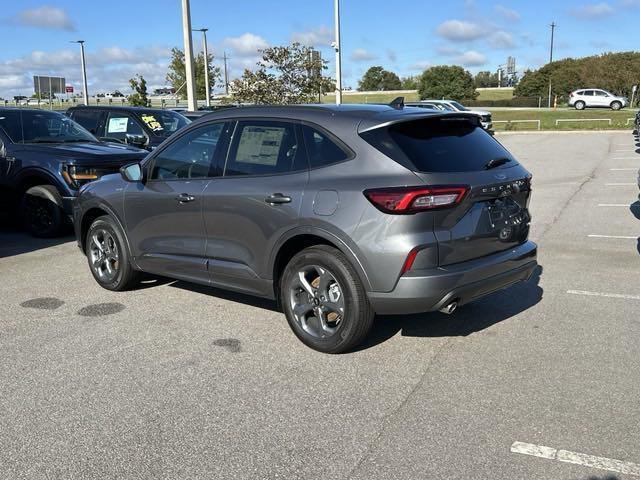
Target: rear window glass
438, 145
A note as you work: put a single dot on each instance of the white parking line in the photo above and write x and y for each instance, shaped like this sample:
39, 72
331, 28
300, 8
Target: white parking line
619, 184
632, 169
613, 205
602, 463
620, 237
602, 294
624, 158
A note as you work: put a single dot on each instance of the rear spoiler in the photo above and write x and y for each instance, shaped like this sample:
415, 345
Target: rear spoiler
374, 123
397, 103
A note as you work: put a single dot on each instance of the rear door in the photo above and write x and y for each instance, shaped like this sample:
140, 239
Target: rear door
255, 202
164, 213
493, 215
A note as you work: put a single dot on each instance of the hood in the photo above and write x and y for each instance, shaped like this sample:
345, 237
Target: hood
90, 152
478, 112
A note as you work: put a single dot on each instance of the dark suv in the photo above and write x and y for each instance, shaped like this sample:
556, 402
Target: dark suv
44, 159
337, 212
138, 126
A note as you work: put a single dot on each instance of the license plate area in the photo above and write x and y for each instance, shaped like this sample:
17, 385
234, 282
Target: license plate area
508, 219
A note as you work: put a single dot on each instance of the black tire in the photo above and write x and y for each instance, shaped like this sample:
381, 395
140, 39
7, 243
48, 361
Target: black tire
350, 327
41, 211
616, 105
108, 256
579, 105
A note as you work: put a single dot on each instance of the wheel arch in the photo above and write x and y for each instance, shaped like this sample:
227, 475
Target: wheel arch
89, 215
298, 239
32, 177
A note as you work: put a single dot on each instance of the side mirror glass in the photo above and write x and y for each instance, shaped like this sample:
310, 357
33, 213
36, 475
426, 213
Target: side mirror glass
132, 172
139, 141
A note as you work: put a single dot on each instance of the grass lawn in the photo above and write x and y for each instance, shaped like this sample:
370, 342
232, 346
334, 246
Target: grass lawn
381, 97
548, 119
495, 94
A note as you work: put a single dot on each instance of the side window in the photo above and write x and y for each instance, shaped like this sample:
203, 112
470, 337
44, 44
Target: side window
191, 156
588, 93
88, 119
321, 149
265, 148
601, 93
119, 125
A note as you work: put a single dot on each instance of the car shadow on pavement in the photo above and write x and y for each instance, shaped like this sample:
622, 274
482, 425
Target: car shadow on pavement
14, 241
250, 300
468, 319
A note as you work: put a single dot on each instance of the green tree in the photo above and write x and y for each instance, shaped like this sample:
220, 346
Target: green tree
177, 76
485, 79
285, 75
410, 83
447, 81
139, 96
377, 78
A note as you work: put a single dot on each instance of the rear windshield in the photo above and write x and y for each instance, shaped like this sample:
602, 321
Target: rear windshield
438, 145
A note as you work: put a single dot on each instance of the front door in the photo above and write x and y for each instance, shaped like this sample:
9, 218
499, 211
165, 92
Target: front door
254, 203
164, 213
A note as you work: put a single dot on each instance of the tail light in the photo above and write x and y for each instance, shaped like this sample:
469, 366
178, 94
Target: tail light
415, 199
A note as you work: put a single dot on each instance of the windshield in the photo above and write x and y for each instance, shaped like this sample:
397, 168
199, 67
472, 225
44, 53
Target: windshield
459, 106
163, 122
41, 126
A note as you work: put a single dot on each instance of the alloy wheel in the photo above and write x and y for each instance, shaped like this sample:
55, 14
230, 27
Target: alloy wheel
105, 258
317, 301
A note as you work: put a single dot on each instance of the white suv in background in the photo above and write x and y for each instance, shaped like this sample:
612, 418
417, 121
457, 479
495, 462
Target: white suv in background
595, 97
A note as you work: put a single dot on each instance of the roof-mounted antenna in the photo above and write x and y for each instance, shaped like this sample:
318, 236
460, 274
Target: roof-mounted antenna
397, 103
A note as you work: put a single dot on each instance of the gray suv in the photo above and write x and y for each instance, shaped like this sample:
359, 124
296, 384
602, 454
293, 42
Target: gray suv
339, 213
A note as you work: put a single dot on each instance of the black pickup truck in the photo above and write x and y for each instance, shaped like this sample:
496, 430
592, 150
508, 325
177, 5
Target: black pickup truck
45, 158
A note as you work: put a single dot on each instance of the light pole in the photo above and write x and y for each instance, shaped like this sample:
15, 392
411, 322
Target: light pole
85, 92
337, 46
207, 88
553, 27
192, 101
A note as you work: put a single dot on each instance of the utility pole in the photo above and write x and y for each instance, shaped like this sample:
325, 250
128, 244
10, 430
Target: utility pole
226, 75
85, 91
338, 48
207, 87
553, 27
192, 100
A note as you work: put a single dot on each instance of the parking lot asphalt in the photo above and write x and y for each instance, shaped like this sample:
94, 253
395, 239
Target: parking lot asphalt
179, 381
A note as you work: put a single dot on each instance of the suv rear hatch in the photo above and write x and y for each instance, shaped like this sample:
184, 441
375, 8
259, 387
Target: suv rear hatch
453, 150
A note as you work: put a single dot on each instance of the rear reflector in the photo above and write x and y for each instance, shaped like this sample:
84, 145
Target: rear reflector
408, 263
415, 199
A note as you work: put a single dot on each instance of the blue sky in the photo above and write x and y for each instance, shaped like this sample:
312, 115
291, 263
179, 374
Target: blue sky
128, 37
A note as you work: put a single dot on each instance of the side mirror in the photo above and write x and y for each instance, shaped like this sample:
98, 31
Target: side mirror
132, 172
139, 141
3, 150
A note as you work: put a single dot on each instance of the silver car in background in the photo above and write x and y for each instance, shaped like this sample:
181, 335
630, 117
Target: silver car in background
596, 98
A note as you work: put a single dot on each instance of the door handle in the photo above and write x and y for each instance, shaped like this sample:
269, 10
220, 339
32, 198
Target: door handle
277, 199
185, 198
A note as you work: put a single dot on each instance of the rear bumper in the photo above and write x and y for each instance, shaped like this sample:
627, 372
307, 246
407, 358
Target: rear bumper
429, 290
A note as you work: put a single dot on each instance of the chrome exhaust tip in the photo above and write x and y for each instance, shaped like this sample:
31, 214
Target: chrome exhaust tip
449, 308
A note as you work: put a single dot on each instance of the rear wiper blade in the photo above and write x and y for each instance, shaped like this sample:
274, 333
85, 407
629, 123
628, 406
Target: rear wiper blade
496, 162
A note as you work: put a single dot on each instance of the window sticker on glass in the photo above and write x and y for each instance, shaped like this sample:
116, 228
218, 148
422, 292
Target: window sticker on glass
152, 122
118, 125
260, 145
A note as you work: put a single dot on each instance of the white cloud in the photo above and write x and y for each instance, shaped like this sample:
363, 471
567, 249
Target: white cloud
593, 11
320, 36
501, 39
362, 55
420, 65
246, 45
46, 17
507, 13
460, 30
471, 58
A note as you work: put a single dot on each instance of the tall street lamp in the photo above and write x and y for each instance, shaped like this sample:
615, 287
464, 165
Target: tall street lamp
85, 92
207, 88
338, 48
192, 100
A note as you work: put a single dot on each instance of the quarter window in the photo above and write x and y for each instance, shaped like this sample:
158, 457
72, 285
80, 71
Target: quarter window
321, 149
265, 148
191, 156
